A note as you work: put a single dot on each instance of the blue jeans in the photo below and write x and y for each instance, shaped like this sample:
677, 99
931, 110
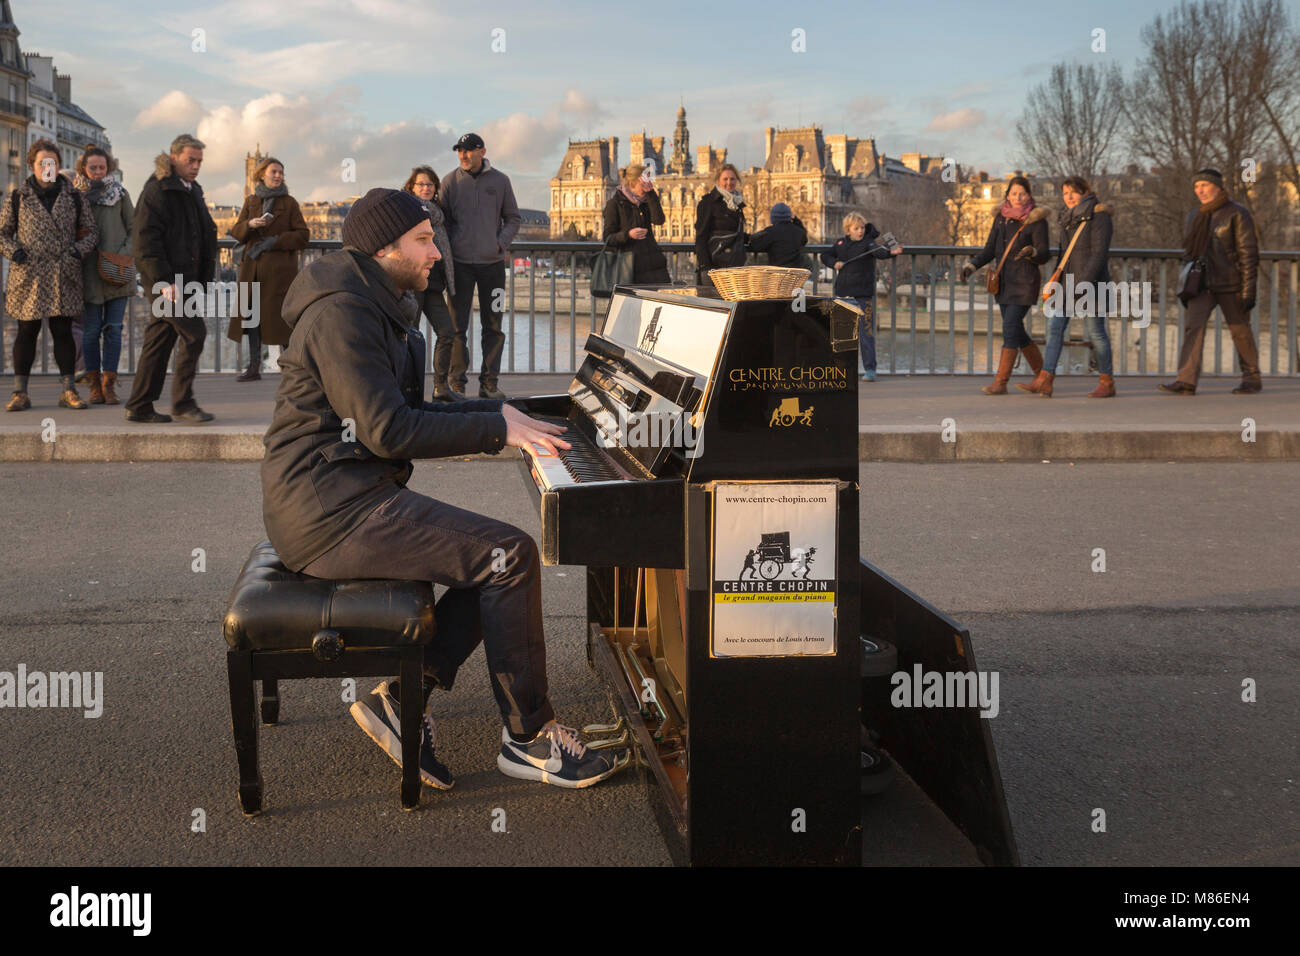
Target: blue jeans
1096, 329
1014, 335
105, 320
867, 333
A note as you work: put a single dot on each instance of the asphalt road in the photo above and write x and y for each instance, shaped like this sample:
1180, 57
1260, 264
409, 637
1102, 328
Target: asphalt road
1119, 690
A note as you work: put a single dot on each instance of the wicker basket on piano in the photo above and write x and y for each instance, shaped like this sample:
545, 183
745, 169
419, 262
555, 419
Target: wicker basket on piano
758, 282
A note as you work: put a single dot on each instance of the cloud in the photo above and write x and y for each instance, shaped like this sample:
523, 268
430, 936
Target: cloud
862, 108
582, 106
175, 110
957, 119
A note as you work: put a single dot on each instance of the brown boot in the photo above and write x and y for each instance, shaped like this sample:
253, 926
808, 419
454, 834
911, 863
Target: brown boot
1006, 362
1033, 357
70, 399
110, 396
96, 388
1105, 388
1041, 385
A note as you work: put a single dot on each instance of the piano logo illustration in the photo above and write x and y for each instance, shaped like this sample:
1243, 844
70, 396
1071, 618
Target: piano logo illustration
771, 557
789, 412
650, 337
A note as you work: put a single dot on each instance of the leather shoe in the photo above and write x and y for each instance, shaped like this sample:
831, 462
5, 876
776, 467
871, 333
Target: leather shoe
490, 391
195, 416
149, 418
1177, 388
249, 375
1248, 387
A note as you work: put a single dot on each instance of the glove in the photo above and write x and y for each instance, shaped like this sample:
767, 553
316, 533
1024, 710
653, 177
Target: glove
1248, 304
76, 253
1026, 253
19, 256
967, 271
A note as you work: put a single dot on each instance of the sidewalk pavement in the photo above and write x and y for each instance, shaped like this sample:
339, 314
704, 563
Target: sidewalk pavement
901, 418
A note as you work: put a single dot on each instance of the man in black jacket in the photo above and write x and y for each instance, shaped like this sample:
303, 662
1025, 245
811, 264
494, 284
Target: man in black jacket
349, 417
175, 242
1221, 233
783, 240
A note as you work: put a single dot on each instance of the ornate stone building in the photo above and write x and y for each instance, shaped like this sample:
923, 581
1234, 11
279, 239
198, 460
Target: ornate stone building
820, 177
15, 113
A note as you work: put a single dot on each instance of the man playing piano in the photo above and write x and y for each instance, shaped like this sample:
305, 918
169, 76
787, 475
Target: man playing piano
349, 417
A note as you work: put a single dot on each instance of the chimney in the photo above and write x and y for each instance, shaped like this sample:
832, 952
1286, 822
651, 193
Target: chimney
703, 160
839, 146
63, 86
613, 156
769, 136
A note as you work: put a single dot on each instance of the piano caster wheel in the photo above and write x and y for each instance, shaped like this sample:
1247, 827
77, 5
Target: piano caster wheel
879, 657
877, 772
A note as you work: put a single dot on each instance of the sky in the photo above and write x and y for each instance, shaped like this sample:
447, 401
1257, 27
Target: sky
388, 84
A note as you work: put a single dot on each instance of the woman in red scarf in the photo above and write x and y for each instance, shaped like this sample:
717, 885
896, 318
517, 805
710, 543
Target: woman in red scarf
1017, 246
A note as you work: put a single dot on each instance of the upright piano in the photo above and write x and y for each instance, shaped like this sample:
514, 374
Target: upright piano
711, 492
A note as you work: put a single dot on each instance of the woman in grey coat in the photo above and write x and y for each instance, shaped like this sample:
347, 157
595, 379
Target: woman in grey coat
450, 358
105, 303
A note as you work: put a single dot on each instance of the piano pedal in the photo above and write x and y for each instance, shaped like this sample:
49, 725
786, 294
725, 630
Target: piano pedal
605, 728
620, 741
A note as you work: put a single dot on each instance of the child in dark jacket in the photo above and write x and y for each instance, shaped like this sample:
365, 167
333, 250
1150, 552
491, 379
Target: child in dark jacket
854, 262
783, 241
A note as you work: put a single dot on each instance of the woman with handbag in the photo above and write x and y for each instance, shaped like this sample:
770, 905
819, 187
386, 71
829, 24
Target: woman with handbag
720, 226
854, 260
1017, 242
47, 229
629, 220
1086, 230
450, 353
271, 228
108, 278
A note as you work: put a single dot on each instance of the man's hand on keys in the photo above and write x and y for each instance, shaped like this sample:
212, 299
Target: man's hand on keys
523, 431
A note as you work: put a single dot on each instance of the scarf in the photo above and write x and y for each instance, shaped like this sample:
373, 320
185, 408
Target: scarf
100, 192
47, 193
1198, 237
733, 200
631, 197
269, 195
1018, 213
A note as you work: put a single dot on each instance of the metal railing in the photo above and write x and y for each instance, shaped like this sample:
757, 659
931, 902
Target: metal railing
927, 321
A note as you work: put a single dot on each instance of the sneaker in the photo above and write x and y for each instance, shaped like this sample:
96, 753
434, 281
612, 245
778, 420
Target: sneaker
20, 402
869, 376
556, 756
379, 715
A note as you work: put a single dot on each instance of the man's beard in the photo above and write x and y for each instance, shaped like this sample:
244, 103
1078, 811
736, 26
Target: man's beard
405, 273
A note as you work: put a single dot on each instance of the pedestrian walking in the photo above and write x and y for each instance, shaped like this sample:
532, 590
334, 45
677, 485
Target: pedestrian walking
1221, 256
1017, 243
46, 229
482, 219
175, 244
272, 231
1083, 266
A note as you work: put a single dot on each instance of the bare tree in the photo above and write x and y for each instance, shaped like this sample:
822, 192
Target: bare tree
1070, 123
1217, 87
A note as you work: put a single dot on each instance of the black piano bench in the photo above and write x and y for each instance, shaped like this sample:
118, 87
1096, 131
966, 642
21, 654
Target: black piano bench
281, 625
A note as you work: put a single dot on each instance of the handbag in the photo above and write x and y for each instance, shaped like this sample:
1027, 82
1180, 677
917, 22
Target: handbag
116, 269
1060, 266
1191, 280
727, 250
610, 268
993, 280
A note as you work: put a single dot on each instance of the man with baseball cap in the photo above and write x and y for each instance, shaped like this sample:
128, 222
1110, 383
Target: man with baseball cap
482, 218
349, 417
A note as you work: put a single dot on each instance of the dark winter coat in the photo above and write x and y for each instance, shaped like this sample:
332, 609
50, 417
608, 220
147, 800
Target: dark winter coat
648, 261
115, 222
355, 352
782, 241
275, 269
47, 280
1232, 256
1090, 260
1021, 280
857, 280
174, 232
713, 218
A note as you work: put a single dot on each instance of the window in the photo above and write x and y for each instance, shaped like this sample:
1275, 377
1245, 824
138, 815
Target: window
988, 193
803, 193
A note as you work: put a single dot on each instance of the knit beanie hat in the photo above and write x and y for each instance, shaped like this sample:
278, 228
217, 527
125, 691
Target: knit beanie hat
781, 213
381, 216
1207, 175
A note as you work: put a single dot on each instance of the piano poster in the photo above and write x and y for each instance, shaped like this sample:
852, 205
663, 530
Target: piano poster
773, 569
